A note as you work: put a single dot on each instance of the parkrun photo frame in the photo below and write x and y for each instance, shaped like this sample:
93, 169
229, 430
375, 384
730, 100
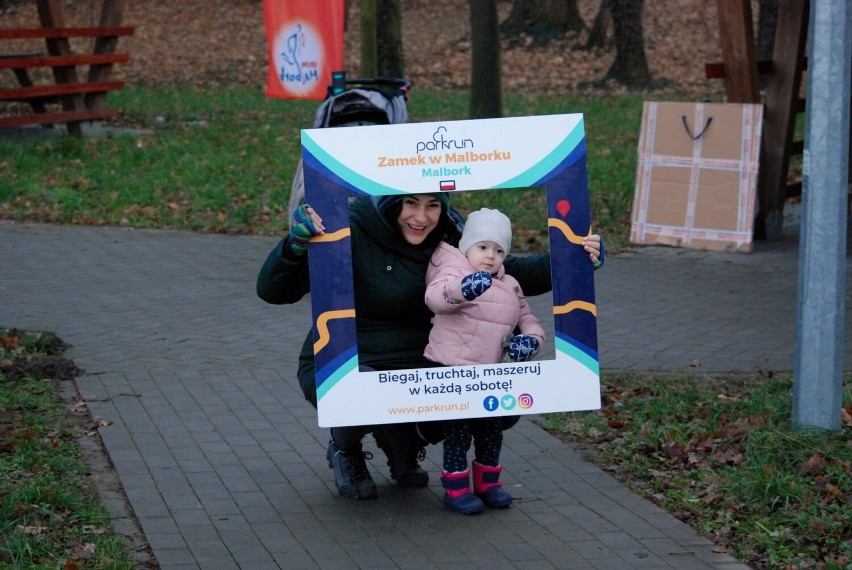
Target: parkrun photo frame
450, 156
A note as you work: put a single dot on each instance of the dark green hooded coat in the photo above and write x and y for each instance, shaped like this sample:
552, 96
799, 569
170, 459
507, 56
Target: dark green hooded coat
393, 321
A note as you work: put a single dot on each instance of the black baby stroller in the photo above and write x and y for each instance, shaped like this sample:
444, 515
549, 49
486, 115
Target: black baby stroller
355, 102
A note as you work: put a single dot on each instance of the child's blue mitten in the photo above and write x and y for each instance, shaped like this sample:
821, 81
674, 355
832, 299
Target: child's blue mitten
522, 348
475, 284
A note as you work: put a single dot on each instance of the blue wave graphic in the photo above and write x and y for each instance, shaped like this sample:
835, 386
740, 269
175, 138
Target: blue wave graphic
345, 173
549, 165
577, 351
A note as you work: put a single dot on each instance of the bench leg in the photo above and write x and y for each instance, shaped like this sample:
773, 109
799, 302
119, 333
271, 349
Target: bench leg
25, 81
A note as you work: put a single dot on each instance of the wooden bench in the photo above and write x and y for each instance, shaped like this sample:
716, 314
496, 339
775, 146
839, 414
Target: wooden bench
22, 75
78, 100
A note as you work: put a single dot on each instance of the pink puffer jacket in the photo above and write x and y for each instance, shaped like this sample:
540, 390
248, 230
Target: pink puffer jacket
472, 332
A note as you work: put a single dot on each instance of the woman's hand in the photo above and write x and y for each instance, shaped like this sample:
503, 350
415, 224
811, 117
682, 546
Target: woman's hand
593, 244
304, 225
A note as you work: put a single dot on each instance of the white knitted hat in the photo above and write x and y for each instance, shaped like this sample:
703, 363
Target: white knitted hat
486, 225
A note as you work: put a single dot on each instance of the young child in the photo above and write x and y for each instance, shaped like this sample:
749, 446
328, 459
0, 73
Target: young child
477, 307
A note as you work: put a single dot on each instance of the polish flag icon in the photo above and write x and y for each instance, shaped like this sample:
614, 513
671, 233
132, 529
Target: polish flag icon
447, 185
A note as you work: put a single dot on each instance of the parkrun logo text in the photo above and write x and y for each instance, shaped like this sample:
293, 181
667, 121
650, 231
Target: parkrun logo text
444, 157
440, 142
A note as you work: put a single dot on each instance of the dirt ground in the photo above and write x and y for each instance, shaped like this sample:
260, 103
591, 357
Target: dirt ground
222, 42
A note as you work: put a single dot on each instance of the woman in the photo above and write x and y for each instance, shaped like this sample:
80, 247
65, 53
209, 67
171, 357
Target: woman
393, 238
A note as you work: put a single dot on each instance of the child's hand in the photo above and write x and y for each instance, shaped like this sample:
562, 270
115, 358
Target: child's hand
522, 348
475, 284
593, 244
304, 225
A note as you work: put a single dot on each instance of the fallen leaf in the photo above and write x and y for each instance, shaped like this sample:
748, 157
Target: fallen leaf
99, 422
813, 466
709, 499
673, 451
728, 457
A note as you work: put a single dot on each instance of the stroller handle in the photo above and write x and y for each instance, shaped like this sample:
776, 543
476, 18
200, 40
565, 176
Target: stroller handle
379, 83
388, 81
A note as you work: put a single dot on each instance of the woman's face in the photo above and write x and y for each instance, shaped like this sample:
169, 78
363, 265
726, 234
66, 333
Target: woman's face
419, 216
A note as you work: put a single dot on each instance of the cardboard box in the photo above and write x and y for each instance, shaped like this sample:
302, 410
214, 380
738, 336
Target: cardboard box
696, 175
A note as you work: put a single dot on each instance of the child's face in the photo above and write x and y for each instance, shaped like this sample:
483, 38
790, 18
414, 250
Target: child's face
486, 256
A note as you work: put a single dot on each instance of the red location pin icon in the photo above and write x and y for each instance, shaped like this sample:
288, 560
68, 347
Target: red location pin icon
563, 206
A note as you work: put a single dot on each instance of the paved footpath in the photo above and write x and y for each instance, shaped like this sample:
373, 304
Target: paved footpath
223, 463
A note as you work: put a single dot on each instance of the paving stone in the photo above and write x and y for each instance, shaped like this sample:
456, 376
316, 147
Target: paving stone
215, 446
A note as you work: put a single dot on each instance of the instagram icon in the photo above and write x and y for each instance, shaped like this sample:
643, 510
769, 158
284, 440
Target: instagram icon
525, 401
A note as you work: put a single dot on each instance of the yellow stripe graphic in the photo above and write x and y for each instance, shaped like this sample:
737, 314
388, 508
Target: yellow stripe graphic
566, 230
338, 235
576, 306
322, 326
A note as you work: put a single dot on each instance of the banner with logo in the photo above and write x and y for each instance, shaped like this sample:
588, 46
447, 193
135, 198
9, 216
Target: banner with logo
305, 44
544, 153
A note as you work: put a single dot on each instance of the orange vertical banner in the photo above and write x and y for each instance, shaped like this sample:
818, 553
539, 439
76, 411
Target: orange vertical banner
305, 44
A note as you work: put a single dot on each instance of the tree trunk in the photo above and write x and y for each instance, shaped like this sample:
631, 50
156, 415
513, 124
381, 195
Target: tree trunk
630, 66
600, 27
391, 62
347, 10
485, 87
543, 19
369, 38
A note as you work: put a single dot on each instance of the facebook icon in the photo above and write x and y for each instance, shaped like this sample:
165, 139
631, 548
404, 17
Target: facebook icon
490, 403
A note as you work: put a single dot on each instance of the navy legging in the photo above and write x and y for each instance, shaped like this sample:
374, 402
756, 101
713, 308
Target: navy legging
487, 435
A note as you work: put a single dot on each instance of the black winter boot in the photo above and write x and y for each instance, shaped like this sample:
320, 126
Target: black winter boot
404, 448
351, 476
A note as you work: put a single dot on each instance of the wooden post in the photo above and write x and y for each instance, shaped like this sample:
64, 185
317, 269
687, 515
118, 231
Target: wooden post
50, 14
738, 51
111, 14
782, 102
779, 119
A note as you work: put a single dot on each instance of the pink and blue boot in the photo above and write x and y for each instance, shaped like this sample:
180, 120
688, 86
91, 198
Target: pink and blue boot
457, 493
488, 488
